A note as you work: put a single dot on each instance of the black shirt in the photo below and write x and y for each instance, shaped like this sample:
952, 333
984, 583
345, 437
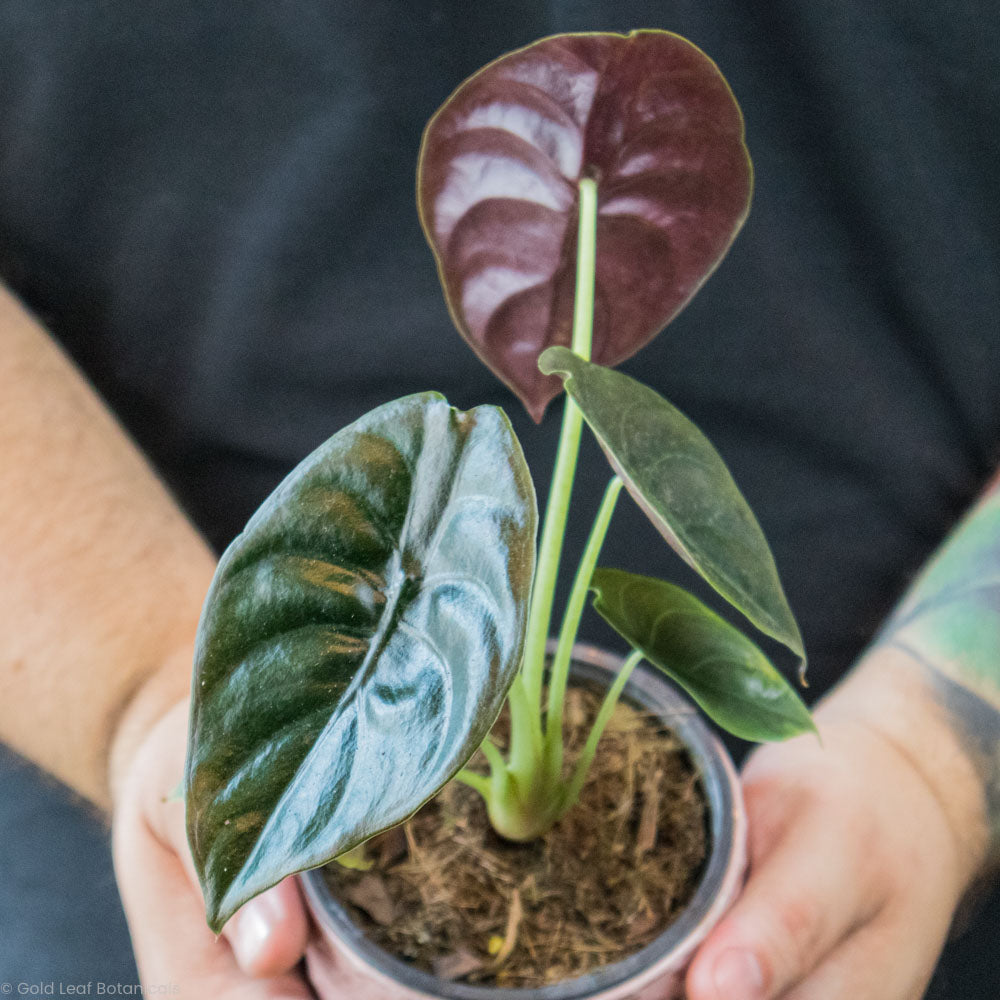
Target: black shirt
211, 206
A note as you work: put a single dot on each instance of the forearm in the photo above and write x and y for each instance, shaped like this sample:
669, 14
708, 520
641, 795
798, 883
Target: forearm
942, 646
101, 576
862, 847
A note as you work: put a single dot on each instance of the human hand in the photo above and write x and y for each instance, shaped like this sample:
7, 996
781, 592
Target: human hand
260, 946
856, 867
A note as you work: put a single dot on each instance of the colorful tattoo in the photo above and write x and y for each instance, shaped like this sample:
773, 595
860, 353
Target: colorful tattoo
949, 622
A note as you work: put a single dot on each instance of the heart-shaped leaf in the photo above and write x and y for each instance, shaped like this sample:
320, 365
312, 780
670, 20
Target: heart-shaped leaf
649, 116
357, 642
725, 673
679, 480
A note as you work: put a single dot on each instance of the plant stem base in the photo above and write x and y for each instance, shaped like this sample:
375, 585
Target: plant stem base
453, 898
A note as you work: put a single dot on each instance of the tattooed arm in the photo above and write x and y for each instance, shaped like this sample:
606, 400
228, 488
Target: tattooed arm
948, 625
861, 850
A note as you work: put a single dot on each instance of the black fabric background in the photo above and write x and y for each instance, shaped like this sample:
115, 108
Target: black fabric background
211, 206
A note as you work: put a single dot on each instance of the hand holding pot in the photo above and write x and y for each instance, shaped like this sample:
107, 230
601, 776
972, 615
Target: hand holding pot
860, 850
103, 584
166, 915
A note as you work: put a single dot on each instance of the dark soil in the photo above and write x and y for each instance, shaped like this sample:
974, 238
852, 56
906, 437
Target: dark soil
449, 895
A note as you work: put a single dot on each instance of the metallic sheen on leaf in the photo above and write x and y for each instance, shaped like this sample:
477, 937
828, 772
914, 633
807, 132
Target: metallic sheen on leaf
649, 116
357, 642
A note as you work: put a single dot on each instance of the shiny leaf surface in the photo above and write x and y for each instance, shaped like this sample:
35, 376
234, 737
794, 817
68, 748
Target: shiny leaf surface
722, 670
677, 477
357, 642
648, 116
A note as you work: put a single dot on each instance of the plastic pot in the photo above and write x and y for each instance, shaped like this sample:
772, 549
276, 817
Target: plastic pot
343, 963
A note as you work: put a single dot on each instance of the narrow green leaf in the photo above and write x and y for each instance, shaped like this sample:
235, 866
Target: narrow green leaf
357, 642
679, 480
725, 673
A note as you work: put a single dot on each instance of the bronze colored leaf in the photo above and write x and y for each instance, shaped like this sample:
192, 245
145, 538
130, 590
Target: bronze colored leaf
650, 117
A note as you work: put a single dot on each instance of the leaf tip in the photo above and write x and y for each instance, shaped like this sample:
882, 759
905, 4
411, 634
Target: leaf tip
536, 410
805, 725
556, 361
215, 919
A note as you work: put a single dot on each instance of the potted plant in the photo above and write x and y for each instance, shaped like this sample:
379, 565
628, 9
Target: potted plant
363, 633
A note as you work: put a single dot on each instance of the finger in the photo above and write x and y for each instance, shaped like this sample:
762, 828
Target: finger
877, 962
809, 886
268, 934
172, 942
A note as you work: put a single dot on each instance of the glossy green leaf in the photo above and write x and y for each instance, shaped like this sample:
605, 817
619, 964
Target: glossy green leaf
679, 480
725, 673
650, 117
357, 642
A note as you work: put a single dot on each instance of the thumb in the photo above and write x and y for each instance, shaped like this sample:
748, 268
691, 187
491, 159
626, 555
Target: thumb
268, 934
807, 890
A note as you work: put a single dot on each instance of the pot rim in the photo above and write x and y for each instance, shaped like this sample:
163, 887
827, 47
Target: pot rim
652, 690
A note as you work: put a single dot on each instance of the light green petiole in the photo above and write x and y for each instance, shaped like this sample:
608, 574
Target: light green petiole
524, 794
487, 786
355, 859
557, 509
586, 757
586, 270
571, 623
477, 781
526, 740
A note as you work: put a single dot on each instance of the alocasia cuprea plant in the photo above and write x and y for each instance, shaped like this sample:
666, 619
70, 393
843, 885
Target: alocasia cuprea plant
363, 632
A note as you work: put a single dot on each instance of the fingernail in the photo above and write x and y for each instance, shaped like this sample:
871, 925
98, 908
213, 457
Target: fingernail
253, 927
737, 976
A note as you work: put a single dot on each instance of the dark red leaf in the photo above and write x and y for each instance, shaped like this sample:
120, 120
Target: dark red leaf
649, 116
